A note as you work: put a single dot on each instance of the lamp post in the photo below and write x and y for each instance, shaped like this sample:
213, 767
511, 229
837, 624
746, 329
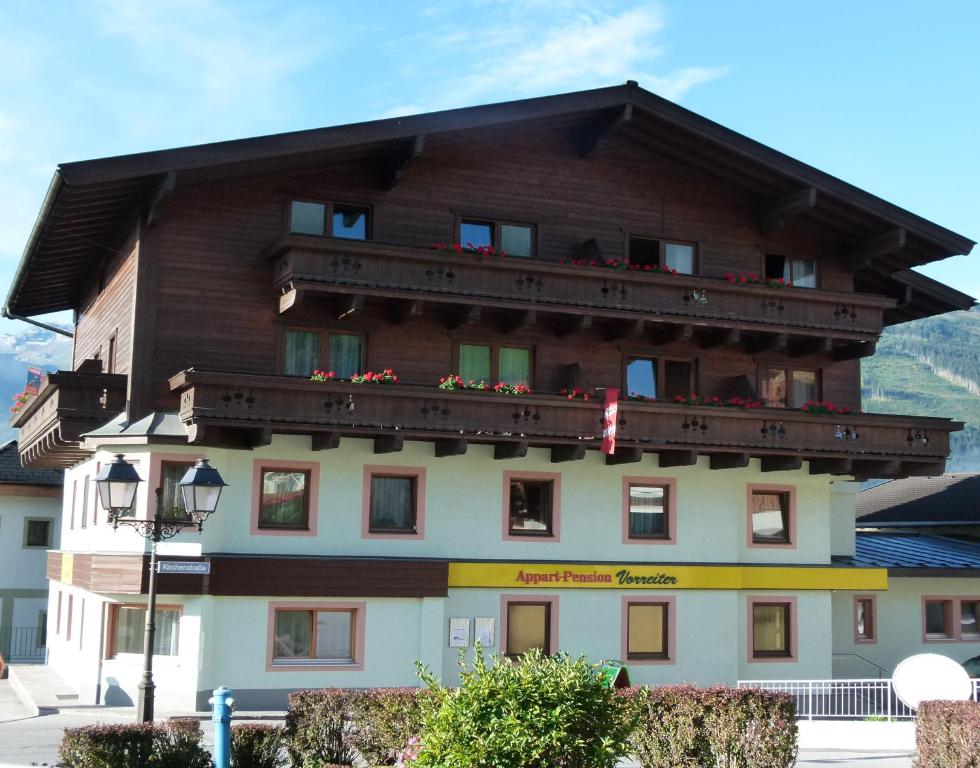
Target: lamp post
200, 489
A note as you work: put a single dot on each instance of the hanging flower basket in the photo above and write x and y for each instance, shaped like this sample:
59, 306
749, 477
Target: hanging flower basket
319, 375
454, 382
387, 376
512, 389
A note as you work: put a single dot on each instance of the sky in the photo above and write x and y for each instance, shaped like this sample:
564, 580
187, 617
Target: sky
882, 93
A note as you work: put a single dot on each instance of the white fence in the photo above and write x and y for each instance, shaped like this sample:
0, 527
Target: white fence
843, 699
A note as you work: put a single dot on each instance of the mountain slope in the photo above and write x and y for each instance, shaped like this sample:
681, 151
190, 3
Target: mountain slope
931, 367
30, 348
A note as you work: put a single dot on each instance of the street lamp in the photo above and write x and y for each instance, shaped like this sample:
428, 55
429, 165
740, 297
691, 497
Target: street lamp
200, 489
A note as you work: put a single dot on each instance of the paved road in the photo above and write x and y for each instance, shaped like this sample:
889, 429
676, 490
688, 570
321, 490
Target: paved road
27, 740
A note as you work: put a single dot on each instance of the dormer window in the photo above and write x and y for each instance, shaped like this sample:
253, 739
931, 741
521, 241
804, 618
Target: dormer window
648, 251
324, 219
801, 273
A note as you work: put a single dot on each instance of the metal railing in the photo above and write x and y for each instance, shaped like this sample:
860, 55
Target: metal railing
19, 644
860, 699
851, 666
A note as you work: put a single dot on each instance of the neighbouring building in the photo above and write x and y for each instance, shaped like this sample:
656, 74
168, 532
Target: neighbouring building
924, 530
30, 519
368, 524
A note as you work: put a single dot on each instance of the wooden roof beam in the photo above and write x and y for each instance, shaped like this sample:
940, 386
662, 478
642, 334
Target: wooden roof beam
518, 319
815, 345
324, 441
729, 460
830, 466
510, 449
854, 351
629, 454
571, 324
399, 164
160, 193
625, 329
721, 337
597, 139
677, 458
767, 342
781, 463
673, 334
776, 214
467, 315
874, 468
453, 446
884, 244
574, 452
389, 443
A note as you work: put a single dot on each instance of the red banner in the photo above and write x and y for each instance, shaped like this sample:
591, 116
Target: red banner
33, 381
609, 420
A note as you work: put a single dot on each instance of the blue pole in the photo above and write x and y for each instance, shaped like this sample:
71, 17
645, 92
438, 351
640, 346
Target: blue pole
221, 705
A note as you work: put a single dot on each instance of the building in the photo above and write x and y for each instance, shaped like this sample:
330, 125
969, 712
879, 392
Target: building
30, 517
924, 531
368, 524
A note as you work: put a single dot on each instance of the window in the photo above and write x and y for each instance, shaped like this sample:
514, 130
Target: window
772, 515
171, 473
350, 222
37, 532
492, 363
531, 508
970, 619
865, 621
128, 624
647, 629
329, 635
939, 619
528, 624
800, 272
951, 618
512, 238
284, 497
771, 629
394, 502
646, 251
304, 353
788, 387
648, 510
41, 638
85, 484
659, 378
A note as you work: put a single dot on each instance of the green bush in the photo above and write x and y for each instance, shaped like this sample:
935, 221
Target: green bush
255, 745
175, 744
946, 734
543, 712
383, 720
316, 724
718, 727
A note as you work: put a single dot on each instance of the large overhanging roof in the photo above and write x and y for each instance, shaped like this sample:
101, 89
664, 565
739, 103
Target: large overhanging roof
90, 205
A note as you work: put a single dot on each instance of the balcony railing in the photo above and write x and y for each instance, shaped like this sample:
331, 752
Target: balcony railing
314, 265
67, 405
233, 408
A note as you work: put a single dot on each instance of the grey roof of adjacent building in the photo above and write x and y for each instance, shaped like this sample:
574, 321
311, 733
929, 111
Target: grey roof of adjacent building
921, 501
12, 472
917, 554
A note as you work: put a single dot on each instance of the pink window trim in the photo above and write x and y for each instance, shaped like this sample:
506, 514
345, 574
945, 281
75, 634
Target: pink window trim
670, 484
873, 599
953, 610
551, 600
360, 619
671, 603
793, 628
387, 470
790, 490
555, 477
314, 495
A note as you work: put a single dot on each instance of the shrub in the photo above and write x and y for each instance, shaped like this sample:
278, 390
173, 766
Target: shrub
384, 719
543, 712
254, 745
316, 726
168, 745
718, 727
946, 734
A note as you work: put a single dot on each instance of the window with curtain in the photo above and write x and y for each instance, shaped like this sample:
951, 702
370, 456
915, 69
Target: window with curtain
648, 512
804, 388
864, 628
345, 354
970, 619
772, 387
514, 365
490, 363
285, 499
528, 627
129, 626
171, 473
531, 507
802, 273
646, 631
392, 504
770, 517
322, 636
474, 362
517, 240
771, 630
302, 353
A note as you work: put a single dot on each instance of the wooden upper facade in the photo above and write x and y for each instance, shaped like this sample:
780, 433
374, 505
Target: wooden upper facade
208, 274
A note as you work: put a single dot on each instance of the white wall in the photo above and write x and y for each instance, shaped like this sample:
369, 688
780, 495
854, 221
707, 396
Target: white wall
24, 567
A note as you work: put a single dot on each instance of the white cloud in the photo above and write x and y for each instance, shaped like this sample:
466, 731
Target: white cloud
36, 347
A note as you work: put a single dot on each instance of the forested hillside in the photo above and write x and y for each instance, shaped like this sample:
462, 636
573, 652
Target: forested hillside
931, 367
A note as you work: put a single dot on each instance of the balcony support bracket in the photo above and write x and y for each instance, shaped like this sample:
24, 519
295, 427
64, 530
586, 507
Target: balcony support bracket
562, 453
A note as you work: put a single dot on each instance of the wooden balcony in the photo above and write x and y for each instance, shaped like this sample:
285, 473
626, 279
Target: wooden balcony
518, 291
67, 406
244, 410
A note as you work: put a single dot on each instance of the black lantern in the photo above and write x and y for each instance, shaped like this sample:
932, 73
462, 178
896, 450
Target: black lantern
116, 484
200, 489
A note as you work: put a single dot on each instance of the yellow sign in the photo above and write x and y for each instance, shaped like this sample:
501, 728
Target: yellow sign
67, 562
613, 576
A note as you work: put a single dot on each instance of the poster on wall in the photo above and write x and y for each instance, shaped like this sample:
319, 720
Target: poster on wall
484, 632
459, 633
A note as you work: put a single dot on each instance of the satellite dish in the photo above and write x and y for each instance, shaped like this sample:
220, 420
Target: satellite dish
929, 676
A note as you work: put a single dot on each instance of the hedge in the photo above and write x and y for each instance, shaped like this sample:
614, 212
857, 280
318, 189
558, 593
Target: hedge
947, 734
718, 727
174, 744
256, 745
